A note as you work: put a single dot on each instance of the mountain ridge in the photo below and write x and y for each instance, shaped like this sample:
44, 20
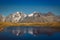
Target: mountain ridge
26, 18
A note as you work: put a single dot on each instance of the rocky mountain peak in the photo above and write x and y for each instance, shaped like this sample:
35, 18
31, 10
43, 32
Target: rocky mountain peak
49, 13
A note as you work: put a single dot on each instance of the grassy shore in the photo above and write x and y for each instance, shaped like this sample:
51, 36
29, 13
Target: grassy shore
7, 24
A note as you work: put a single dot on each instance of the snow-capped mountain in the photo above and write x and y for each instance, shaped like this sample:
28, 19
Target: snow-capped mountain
33, 17
16, 17
34, 14
38, 17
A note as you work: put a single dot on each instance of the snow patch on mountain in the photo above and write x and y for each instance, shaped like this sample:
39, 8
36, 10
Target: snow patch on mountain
30, 15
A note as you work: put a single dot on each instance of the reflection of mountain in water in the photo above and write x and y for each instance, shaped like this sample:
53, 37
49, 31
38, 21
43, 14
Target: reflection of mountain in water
30, 30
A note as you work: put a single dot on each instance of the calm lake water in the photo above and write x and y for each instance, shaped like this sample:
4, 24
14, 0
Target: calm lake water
30, 33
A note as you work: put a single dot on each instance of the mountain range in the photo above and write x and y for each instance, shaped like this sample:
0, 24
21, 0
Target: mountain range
20, 17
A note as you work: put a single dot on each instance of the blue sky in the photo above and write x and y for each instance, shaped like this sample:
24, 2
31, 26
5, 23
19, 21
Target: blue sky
28, 6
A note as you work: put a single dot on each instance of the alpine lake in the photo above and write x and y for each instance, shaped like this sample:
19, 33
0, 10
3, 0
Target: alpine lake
30, 33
